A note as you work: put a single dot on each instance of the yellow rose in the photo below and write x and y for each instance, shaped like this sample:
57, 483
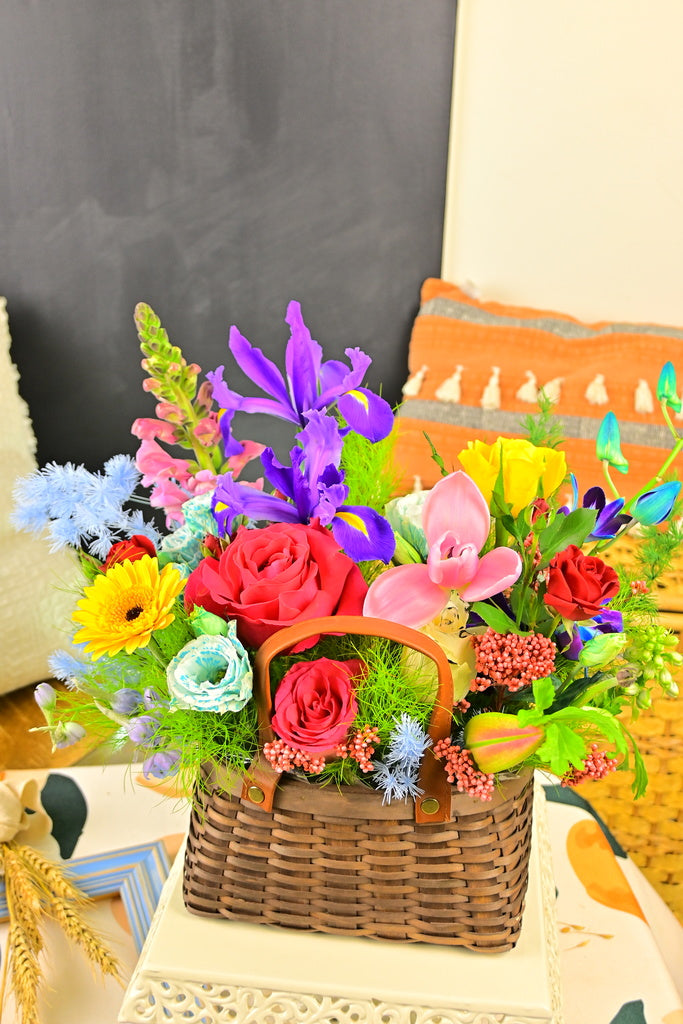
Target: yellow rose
525, 467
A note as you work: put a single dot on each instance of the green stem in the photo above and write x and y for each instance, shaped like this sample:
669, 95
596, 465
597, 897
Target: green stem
608, 478
667, 419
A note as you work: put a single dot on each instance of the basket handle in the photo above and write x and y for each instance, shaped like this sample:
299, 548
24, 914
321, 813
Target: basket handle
434, 803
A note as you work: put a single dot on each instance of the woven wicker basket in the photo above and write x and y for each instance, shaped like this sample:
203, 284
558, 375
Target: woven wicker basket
444, 869
651, 829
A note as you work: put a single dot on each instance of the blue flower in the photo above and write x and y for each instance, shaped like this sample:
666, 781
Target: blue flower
407, 744
63, 665
608, 444
656, 505
161, 764
125, 701
395, 782
311, 384
79, 508
211, 673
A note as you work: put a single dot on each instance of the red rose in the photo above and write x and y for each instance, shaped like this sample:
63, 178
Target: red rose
129, 550
315, 704
579, 585
273, 577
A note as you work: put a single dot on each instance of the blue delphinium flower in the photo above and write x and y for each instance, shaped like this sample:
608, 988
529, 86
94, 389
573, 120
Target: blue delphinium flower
397, 775
161, 764
80, 508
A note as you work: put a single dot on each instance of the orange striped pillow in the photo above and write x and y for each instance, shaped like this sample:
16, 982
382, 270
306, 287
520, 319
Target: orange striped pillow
452, 329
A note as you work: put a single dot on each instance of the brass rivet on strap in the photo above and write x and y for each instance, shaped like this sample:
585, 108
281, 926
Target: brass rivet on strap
256, 795
429, 805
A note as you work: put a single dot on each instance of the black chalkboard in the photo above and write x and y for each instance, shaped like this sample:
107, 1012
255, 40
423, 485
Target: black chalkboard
214, 158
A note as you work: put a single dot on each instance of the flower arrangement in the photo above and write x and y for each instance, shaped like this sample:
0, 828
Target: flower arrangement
500, 562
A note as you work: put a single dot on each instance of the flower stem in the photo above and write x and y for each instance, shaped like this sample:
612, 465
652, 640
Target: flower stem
608, 478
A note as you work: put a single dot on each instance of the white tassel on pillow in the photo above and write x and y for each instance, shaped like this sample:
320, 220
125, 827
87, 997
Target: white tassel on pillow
596, 392
553, 389
491, 397
449, 389
413, 385
417, 484
643, 397
528, 391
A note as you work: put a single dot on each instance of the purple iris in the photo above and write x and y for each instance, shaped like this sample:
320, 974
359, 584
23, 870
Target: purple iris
311, 488
605, 622
610, 518
311, 384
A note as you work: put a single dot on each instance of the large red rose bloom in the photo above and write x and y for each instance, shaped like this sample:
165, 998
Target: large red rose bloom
579, 585
315, 704
273, 577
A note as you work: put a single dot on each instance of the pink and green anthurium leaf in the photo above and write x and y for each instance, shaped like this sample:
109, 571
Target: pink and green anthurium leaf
496, 741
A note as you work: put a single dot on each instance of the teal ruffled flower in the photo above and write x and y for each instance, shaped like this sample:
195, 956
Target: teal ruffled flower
608, 444
666, 387
211, 673
656, 505
184, 545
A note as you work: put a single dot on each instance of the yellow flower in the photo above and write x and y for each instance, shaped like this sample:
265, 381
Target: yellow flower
125, 605
525, 467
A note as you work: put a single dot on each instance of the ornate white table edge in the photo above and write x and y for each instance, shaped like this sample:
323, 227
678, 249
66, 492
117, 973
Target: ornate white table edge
196, 970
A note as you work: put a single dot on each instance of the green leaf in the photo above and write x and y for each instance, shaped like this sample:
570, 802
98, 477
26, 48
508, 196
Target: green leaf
496, 618
561, 748
565, 530
544, 693
435, 455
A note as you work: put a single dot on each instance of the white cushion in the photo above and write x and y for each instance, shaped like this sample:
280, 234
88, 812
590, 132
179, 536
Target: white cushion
37, 588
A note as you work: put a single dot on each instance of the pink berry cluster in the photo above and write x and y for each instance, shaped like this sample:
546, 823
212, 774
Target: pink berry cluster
506, 659
597, 765
639, 587
360, 747
462, 771
284, 758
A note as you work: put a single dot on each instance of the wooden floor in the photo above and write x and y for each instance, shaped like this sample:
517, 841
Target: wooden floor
20, 748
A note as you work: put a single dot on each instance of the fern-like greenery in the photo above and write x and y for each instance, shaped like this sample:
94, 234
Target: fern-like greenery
543, 429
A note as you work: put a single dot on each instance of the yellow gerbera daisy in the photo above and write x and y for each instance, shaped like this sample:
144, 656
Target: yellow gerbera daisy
125, 605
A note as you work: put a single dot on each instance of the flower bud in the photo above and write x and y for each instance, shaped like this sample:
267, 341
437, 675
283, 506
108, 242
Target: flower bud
125, 701
45, 697
140, 730
205, 623
65, 734
608, 444
602, 649
656, 505
161, 764
666, 387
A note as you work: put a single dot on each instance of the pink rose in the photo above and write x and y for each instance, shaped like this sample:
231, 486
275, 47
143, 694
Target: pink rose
276, 576
315, 704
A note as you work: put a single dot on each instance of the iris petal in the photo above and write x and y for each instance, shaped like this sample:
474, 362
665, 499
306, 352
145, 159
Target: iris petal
366, 413
303, 357
232, 499
363, 534
259, 368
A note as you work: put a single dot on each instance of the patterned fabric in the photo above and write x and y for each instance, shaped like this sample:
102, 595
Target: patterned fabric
621, 950
453, 330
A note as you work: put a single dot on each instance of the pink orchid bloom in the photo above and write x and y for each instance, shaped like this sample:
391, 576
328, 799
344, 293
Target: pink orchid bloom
456, 523
147, 429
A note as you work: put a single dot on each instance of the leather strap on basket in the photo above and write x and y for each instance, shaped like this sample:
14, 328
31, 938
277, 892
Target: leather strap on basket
434, 803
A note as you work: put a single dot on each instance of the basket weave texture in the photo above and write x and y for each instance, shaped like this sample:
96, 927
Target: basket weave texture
343, 863
651, 829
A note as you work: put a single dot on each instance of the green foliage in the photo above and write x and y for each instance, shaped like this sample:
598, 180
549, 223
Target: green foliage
164, 362
566, 530
369, 470
396, 683
658, 547
543, 429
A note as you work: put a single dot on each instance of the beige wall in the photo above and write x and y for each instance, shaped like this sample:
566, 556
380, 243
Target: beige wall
566, 162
